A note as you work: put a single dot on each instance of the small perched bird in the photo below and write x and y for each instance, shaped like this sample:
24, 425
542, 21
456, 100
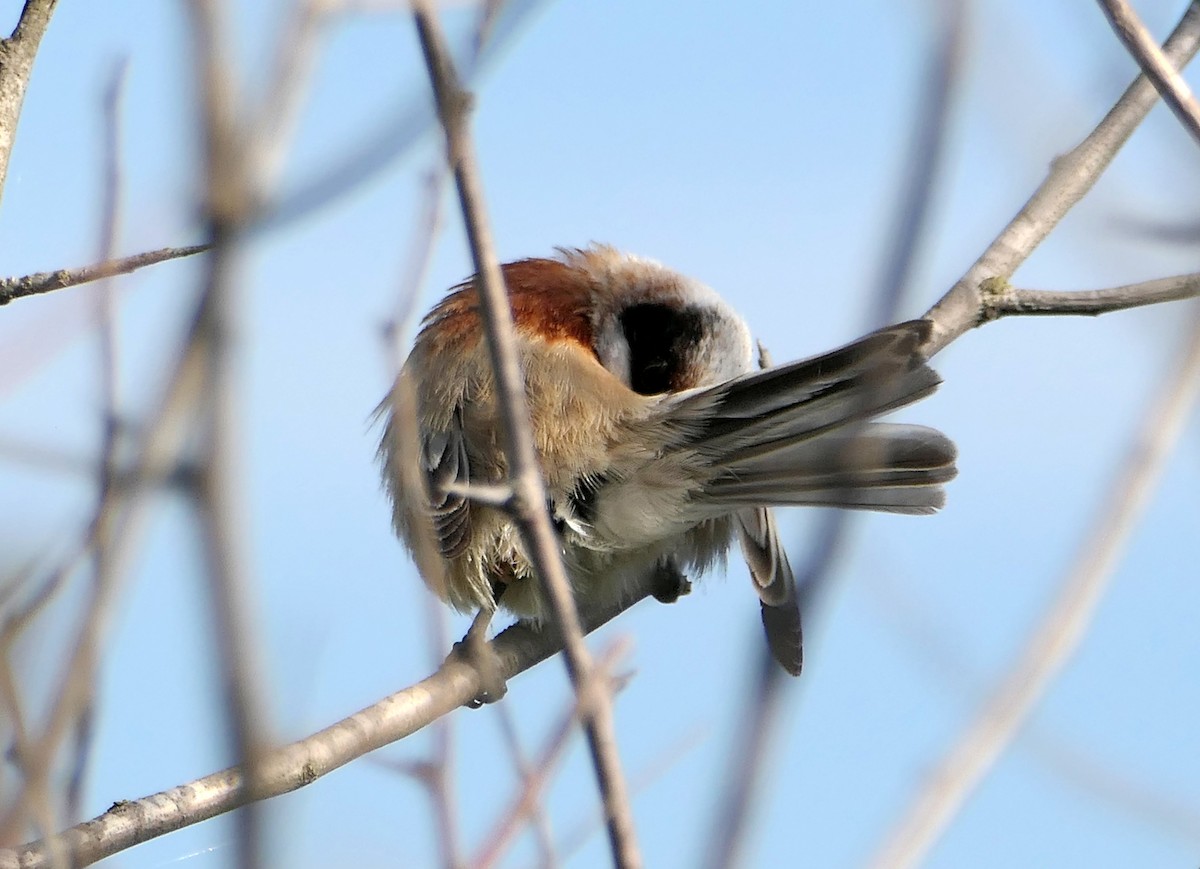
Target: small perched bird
659, 437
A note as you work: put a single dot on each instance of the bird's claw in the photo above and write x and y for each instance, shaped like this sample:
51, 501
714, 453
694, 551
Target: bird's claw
478, 654
669, 582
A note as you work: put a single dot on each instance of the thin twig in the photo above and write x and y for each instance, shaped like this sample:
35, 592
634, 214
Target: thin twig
189, 804
534, 779
1059, 634
441, 777
642, 778
927, 640
498, 495
45, 282
1001, 300
158, 450
529, 508
110, 410
1071, 177
416, 269
748, 760
277, 117
930, 132
155, 456
1166, 79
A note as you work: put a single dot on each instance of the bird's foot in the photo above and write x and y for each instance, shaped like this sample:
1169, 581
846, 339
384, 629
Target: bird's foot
478, 653
669, 582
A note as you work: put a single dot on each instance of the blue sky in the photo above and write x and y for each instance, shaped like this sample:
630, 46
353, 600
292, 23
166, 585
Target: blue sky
761, 151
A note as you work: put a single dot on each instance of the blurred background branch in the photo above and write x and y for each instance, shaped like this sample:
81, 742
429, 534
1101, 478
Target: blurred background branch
1066, 621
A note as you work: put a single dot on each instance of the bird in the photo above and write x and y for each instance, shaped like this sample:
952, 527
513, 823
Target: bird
660, 437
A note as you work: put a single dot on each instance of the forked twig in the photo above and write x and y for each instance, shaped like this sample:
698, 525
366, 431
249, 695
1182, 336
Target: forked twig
1071, 177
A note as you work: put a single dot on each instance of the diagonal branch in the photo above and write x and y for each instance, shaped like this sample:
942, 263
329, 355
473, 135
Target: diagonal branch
290, 767
16, 65
46, 282
1166, 79
529, 490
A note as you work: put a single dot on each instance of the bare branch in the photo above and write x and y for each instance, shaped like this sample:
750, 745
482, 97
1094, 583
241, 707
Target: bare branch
748, 760
980, 296
16, 64
998, 299
282, 770
529, 490
1071, 177
1056, 639
1166, 79
45, 282
420, 256
436, 773
927, 639
156, 454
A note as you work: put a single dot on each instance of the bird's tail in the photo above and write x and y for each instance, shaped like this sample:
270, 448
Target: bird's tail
799, 434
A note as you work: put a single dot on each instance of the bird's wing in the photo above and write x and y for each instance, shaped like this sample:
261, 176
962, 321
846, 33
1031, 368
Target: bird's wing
444, 462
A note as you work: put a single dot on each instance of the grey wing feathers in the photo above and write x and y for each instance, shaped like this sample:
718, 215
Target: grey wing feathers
804, 399
797, 433
776, 585
444, 460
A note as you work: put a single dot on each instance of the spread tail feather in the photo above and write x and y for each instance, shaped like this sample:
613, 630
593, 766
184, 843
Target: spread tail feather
776, 586
797, 434
742, 418
894, 468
